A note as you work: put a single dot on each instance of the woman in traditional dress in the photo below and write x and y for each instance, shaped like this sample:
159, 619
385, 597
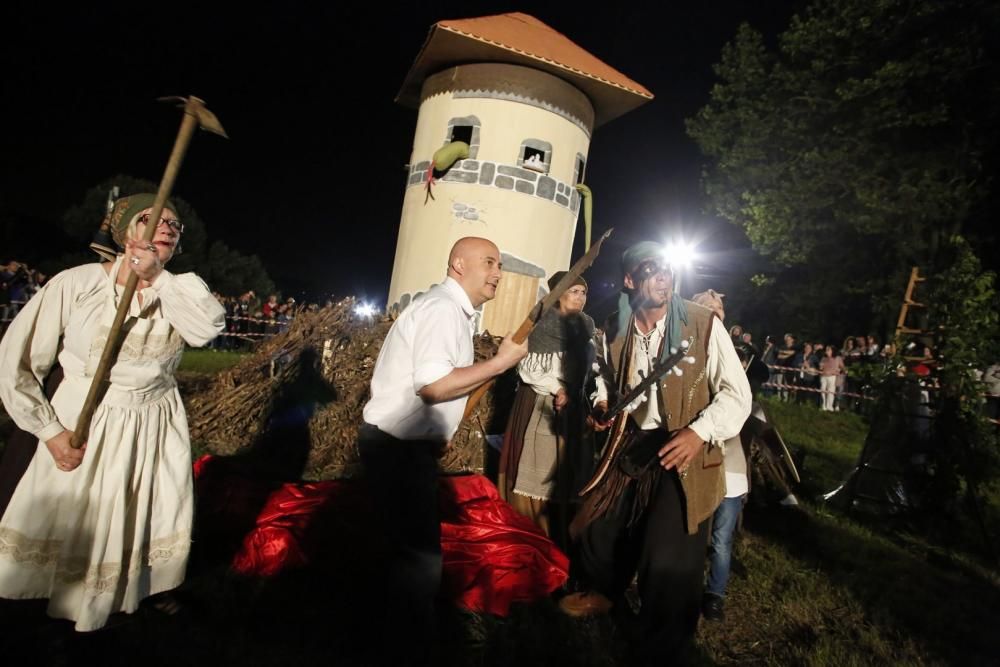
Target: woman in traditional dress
96, 530
544, 459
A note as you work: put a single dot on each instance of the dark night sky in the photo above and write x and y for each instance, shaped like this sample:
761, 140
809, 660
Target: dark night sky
308, 181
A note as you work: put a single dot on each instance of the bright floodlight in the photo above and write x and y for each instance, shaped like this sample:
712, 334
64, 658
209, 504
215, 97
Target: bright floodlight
364, 310
680, 254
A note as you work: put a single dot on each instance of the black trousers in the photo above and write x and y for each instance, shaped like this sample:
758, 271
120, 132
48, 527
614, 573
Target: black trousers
669, 562
403, 478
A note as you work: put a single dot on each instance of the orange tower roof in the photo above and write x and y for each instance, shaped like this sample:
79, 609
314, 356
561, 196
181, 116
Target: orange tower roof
521, 39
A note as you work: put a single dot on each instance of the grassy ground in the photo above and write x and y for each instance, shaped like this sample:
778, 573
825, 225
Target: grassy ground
811, 587
823, 589
208, 362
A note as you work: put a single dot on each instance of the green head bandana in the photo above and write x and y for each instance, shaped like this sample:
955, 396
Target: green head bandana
676, 314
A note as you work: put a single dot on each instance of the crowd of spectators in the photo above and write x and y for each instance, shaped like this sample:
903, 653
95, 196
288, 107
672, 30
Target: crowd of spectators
248, 318
830, 375
18, 283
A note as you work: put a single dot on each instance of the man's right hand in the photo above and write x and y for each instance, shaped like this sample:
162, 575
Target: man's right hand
593, 419
510, 352
62, 452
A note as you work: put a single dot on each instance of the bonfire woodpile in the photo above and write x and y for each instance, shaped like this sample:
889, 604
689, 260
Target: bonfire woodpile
318, 373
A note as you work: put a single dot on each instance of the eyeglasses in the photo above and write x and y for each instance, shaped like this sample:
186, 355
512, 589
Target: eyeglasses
650, 268
173, 223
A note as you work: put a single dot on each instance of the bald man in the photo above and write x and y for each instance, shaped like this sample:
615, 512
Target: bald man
422, 379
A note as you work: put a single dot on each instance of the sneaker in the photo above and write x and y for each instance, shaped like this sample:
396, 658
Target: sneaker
712, 607
579, 605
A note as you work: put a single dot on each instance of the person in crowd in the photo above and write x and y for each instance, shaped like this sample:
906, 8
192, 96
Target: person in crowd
726, 517
422, 379
871, 347
853, 353
269, 314
270, 307
831, 369
770, 358
544, 459
649, 507
285, 315
786, 360
15, 278
7, 271
108, 524
861, 347
808, 376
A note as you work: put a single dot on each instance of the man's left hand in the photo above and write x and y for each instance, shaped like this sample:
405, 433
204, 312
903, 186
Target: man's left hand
681, 450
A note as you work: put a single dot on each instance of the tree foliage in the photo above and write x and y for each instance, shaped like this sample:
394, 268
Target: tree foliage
858, 144
232, 273
963, 309
226, 271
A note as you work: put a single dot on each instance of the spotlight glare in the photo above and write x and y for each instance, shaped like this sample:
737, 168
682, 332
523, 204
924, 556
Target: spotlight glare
680, 254
365, 309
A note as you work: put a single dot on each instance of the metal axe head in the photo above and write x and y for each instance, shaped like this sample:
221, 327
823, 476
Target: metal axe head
196, 107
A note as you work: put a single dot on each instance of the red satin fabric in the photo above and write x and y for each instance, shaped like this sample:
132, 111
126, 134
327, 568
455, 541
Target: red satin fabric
493, 556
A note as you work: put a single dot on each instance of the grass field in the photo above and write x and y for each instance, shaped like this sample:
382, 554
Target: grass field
208, 361
812, 586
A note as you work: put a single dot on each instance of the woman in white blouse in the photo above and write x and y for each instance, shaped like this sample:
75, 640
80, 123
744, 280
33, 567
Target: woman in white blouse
97, 529
544, 459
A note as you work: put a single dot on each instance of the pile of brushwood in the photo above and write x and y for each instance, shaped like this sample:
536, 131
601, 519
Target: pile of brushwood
301, 393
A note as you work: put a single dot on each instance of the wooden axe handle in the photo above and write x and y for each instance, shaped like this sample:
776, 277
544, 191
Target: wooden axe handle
519, 337
81, 431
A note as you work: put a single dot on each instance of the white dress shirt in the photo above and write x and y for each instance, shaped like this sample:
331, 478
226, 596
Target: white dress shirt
432, 337
727, 381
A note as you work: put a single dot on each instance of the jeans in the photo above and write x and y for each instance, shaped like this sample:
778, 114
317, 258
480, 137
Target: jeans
723, 527
828, 383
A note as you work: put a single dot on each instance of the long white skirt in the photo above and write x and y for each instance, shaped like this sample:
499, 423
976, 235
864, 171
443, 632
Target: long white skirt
99, 539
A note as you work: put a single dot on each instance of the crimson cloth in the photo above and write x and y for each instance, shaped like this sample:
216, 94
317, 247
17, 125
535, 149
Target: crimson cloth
493, 556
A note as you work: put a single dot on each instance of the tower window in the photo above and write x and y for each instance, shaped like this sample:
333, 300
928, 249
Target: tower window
462, 133
535, 155
466, 129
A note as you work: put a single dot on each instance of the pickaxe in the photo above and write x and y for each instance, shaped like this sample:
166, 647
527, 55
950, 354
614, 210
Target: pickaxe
195, 115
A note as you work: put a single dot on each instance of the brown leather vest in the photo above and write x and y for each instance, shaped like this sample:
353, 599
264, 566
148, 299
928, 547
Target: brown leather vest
682, 398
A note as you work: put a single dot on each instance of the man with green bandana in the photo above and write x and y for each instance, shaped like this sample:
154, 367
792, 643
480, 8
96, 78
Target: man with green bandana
655, 522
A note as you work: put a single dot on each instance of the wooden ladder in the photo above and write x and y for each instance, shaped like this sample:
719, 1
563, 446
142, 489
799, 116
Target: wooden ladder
908, 302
